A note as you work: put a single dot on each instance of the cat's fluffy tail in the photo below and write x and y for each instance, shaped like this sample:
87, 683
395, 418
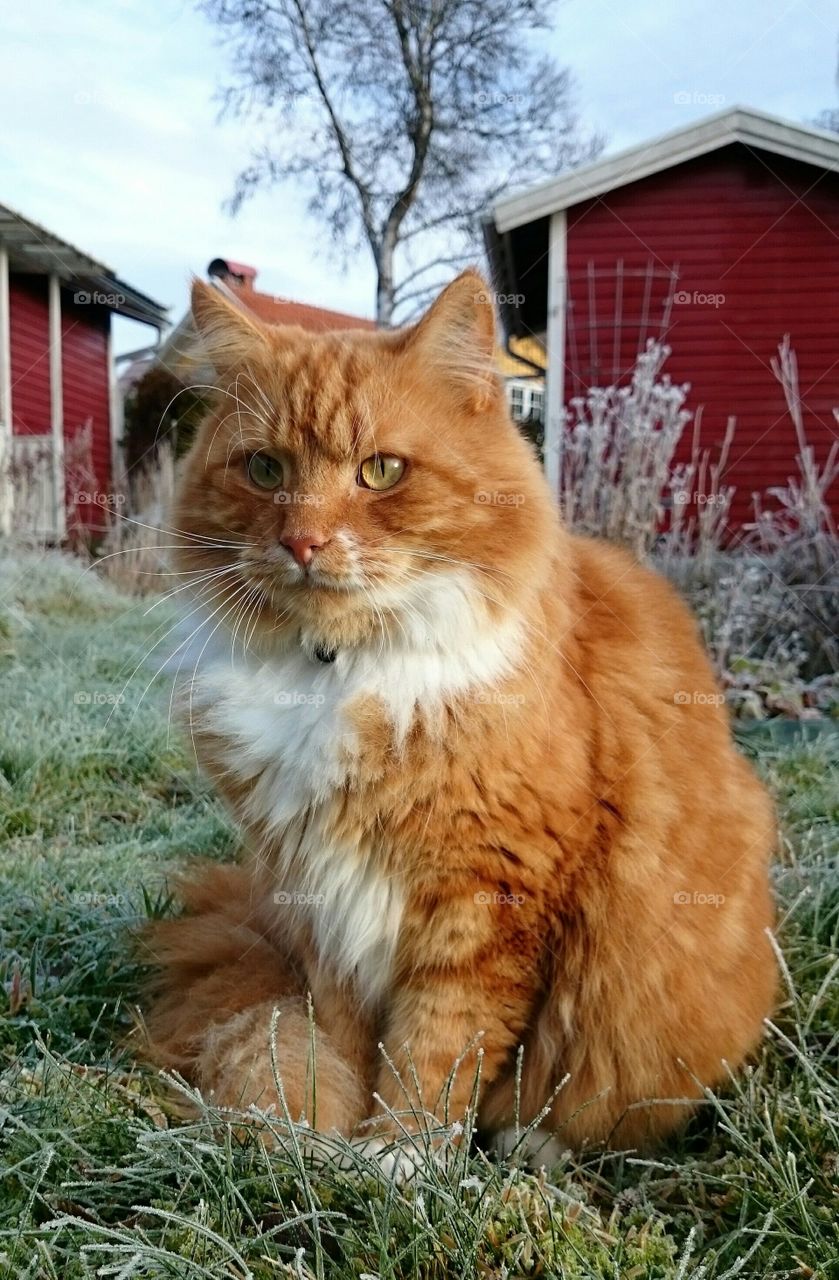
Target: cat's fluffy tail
218, 980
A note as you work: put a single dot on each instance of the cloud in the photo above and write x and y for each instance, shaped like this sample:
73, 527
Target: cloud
115, 145
632, 59
111, 135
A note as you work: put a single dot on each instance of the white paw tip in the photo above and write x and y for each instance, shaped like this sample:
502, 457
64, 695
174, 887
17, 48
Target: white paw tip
538, 1148
396, 1164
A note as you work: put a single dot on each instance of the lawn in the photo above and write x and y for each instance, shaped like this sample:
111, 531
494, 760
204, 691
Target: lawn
99, 799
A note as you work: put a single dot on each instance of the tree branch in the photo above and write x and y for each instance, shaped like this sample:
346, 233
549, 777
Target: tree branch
338, 131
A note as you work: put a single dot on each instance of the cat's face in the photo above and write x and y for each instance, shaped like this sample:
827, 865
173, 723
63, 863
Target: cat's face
346, 482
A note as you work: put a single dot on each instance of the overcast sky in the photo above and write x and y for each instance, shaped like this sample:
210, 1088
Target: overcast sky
110, 136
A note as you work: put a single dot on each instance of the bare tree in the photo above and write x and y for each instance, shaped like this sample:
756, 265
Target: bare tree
405, 119
829, 118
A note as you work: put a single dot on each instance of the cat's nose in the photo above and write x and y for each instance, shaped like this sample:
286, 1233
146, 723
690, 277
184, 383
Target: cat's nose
303, 545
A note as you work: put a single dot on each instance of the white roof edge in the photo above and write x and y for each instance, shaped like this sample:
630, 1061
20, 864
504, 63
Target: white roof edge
52, 243
30, 245
734, 124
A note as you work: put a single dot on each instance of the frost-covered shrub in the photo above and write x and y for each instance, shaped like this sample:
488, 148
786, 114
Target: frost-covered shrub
617, 454
618, 479
769, 607
135, 551
773, 642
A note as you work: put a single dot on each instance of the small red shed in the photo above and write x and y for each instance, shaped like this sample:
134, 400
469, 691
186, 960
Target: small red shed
720, 238
56, 377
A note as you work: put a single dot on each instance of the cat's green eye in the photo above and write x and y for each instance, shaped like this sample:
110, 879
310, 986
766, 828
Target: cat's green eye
381, 471
265, 470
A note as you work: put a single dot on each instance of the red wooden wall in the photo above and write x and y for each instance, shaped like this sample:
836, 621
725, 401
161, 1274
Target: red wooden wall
85, 373
755, 239
85, 380
29, 329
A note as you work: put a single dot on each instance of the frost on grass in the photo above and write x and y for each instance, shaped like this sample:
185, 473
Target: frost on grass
101, 1176
47, 582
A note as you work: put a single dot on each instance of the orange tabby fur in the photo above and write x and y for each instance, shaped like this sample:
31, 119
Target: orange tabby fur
535, 839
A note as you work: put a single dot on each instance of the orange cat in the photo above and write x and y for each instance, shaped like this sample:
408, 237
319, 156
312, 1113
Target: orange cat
485, 780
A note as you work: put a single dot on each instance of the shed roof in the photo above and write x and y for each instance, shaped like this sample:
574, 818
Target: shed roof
184, 356
276, 310
35, 250
753, 128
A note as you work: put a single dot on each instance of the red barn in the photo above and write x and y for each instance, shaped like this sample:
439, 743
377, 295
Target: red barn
721, 238
58, 410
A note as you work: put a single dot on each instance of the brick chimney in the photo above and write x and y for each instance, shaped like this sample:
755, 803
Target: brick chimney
238, 274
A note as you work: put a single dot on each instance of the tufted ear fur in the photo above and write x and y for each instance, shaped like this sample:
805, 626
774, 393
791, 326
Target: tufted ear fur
228, 333
457, 334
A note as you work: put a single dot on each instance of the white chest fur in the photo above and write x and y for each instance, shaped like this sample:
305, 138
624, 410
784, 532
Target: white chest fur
287, 733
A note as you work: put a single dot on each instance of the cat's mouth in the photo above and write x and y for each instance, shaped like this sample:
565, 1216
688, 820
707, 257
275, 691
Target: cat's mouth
313, 579
296, 580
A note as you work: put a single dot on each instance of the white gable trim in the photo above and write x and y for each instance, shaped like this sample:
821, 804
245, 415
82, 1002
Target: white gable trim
735, 124
557, 306
59, 512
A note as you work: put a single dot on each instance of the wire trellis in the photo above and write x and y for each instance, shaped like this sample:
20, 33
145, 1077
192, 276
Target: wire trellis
605, 334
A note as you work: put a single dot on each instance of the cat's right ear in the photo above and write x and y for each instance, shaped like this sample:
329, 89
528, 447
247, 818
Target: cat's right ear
457, 337
229, 335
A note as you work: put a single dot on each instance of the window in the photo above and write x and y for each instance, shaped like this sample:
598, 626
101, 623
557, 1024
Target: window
517, 402
537, 402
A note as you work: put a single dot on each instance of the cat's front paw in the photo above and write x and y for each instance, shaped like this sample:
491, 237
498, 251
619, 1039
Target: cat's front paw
399, 1159
534, 1148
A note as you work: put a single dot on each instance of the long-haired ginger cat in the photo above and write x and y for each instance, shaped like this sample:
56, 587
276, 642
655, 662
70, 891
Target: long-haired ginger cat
487, 790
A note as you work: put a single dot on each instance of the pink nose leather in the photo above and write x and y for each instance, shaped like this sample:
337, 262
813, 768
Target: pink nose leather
302, 546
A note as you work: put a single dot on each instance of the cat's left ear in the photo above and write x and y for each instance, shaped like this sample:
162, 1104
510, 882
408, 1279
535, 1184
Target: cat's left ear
229, 335
457, 335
